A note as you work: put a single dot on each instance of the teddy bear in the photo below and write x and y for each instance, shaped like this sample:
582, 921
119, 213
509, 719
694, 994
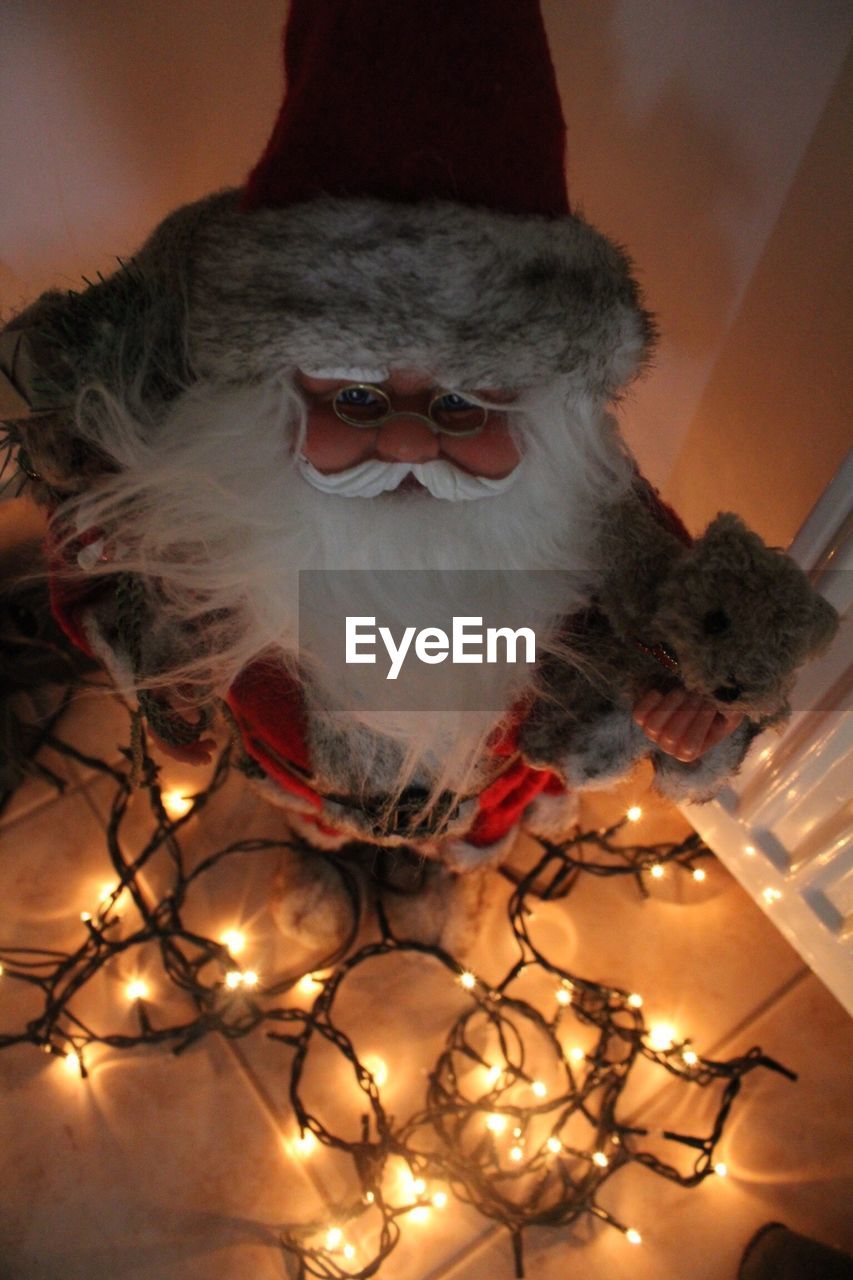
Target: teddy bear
726, 617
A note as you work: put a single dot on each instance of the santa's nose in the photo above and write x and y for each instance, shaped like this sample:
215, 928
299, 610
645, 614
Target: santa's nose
406, 439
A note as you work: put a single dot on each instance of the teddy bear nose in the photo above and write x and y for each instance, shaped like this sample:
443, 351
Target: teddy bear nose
727, 692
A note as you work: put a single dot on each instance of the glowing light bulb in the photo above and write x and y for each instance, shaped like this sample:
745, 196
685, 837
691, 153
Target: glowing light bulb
539, 1088
369, 1197
771, 895
439, 1199
496, 1123
250, 978
599, 1158
137, 990
493, 1075
657, 871
71, 1063
85, 916
234, 940
233, 978
420, 1213
310, 984
554, 1145
106, 892
176, 804
690, 1057
635, 1001
700, 874
305, 1144
349, 1251
564, 997
334, 1237
467, 980
377, 1068
516, 1153
749, 850
662, 1036
633, 1236
634, 813
2, 971
721, 1169
418, 1186
576, 1053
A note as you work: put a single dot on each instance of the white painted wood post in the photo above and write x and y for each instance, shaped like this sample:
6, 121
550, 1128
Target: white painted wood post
784, 827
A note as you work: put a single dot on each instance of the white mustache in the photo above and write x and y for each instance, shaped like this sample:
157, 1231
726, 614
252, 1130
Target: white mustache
441, 478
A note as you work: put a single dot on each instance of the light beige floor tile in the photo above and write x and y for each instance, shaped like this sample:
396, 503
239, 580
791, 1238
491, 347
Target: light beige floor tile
37, 791
54, 866
155, 1166
41, 788
238, 892
703, 956
97, 722
787, 1148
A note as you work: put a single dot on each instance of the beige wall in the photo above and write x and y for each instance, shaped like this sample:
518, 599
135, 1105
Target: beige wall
775, 420
687, 126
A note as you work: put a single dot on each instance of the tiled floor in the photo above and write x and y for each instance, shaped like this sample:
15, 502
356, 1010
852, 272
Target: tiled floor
165, 1168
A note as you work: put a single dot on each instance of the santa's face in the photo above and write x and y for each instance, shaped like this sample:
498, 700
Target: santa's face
425, 437
221, 511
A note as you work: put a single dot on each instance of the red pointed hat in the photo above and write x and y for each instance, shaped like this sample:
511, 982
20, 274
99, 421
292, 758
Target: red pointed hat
410, 209
411, 100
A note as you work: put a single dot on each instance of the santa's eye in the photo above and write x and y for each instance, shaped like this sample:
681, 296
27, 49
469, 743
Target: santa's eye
356, 395
452, 402
361, 406
455, 415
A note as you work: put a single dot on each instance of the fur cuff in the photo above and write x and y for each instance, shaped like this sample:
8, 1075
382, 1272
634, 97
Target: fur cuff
703, 778
483, 299
480, 299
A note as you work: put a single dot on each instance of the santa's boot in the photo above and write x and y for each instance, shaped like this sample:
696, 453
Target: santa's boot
425, 901
317, 902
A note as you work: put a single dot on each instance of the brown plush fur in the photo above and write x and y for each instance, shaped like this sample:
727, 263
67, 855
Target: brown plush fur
738, 617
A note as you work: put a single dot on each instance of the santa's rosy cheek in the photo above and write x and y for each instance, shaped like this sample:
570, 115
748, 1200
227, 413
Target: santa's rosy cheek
331, 445
493, 454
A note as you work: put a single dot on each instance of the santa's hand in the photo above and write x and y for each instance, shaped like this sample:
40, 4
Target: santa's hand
682, 724
171, 704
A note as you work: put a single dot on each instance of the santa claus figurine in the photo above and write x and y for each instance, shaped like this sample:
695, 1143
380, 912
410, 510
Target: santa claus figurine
393, 349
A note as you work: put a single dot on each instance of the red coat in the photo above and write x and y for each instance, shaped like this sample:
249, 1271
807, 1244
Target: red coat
268, 707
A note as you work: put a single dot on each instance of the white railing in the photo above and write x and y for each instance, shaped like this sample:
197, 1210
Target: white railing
784, 827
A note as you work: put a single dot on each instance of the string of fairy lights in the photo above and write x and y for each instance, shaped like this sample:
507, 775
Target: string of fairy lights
522, 1117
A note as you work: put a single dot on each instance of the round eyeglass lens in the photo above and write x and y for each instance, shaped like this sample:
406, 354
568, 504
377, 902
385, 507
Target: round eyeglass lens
361, 406
457, 416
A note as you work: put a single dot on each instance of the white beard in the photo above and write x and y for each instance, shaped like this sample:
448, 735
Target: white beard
216, 510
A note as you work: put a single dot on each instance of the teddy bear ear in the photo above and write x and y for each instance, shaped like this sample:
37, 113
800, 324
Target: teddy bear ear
727, 543
725, 525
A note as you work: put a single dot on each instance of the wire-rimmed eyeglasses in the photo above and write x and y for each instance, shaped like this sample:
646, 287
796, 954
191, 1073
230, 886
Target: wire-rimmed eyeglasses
365, 406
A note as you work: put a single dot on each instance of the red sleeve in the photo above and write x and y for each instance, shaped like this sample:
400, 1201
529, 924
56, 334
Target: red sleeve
662, 511
71, 593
